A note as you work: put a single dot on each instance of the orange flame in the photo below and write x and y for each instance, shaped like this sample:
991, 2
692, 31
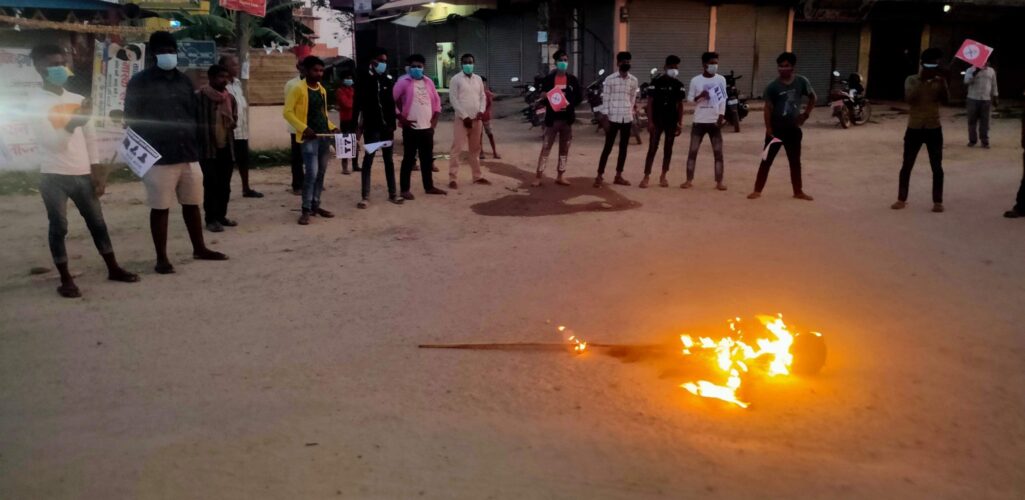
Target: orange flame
733, 354
579, 344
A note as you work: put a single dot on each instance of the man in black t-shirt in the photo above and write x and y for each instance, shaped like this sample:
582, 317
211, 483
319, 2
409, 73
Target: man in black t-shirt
665, 115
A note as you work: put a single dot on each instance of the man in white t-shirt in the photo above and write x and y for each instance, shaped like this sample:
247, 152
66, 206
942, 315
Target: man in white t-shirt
66, 156
418, 107
708, 92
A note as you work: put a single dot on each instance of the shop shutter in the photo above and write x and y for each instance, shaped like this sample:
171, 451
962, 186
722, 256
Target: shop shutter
662, 27
472, 38
813, 44
848, 41
733, 42
771, 42
505, 52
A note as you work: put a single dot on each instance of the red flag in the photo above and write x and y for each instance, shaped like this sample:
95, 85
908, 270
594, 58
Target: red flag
974, 53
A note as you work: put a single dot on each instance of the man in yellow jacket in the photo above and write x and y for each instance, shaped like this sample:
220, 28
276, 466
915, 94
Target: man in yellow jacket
306, 111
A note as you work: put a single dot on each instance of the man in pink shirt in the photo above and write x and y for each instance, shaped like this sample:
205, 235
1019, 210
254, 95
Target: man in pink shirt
417, 107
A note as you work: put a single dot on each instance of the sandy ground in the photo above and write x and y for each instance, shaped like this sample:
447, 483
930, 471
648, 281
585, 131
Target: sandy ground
292, 371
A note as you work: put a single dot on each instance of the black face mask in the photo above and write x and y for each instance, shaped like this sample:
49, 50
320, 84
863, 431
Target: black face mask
624, 67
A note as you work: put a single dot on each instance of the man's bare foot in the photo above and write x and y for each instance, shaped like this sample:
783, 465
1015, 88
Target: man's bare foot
720, 186
497, 156
207, 254
598, 182
323, 213
453, 185
562, 182
164, 268
363, 204
754, 195
803, 196
304, 219
938, 207
482, 181
662, 181
687, 185
620, 181
119, 274
644, 183
899, 205
536, 183
69, 290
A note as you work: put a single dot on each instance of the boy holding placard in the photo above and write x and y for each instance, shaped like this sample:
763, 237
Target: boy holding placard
708, 93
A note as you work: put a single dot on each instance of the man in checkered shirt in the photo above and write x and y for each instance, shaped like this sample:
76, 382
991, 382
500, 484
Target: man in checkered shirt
619, 93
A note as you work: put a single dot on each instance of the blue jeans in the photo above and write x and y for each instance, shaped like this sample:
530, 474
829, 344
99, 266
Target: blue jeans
55, 190
315, 155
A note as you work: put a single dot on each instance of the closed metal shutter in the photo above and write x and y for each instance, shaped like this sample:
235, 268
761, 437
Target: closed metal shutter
423, 44
662, 27
813, 44
504, 53
848, 43
472, 38
532, 61
771, 42
733, 42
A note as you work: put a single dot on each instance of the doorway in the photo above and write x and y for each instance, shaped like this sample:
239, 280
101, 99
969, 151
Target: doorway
445, 63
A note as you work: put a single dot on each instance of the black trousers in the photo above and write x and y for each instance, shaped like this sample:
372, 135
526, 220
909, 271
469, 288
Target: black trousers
914, 138
623, 130
791, 137
667, 154
1019, 206
370, 137
417, 143
217, 184
298, 172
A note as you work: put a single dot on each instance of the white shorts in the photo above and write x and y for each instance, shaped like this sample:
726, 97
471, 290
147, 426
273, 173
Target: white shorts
165, 182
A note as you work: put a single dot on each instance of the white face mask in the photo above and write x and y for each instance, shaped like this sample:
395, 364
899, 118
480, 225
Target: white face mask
713, 69
673, 73
167, 62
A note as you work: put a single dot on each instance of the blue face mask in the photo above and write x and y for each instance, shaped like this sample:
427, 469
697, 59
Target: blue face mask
57, 75
381, 67
416, 73
468, 69
347, 82
167, 62
930, 66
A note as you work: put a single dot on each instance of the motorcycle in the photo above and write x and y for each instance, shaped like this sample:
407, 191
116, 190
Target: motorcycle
736, 107
535, 110
594, 98
847, 98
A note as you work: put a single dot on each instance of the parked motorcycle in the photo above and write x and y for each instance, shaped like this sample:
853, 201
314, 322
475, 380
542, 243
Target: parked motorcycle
847, 97
594, 97
535, 110
736, 107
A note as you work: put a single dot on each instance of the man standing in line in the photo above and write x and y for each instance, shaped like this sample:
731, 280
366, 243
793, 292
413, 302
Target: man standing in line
924, 92
620, 94
63, 130
708, 92
296, 150
241, 144
982, 98
665, 116
375, 113
161, 106
217, 118
1019, 206
306, 110
466, 94
783, 120
345, 97
419, 106
559, 123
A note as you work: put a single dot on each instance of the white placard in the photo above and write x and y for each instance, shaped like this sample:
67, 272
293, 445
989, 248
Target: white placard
137, 153
345, 146
374, 146
716, 95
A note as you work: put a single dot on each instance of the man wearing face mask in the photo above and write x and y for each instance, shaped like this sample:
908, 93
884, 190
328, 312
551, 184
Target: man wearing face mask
375, 113
708, 93
559, 124
67, 161
665, 114
161, 106
783, 121
924, 92
344, 99
619, 94
419, 107
469, 101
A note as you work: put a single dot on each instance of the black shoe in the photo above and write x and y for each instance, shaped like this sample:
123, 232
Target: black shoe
214, 227
252, 194
435, 190
226, 222
1013, 214
407, 195
357, 169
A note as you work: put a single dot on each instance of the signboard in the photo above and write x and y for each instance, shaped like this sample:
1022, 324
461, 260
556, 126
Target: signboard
257, 8
345, 146
974, 53
196, 54
137, 153
18, 146
114, 65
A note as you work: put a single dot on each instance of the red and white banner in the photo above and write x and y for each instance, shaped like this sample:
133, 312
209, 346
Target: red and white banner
974, 53
257, 8
557, 100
